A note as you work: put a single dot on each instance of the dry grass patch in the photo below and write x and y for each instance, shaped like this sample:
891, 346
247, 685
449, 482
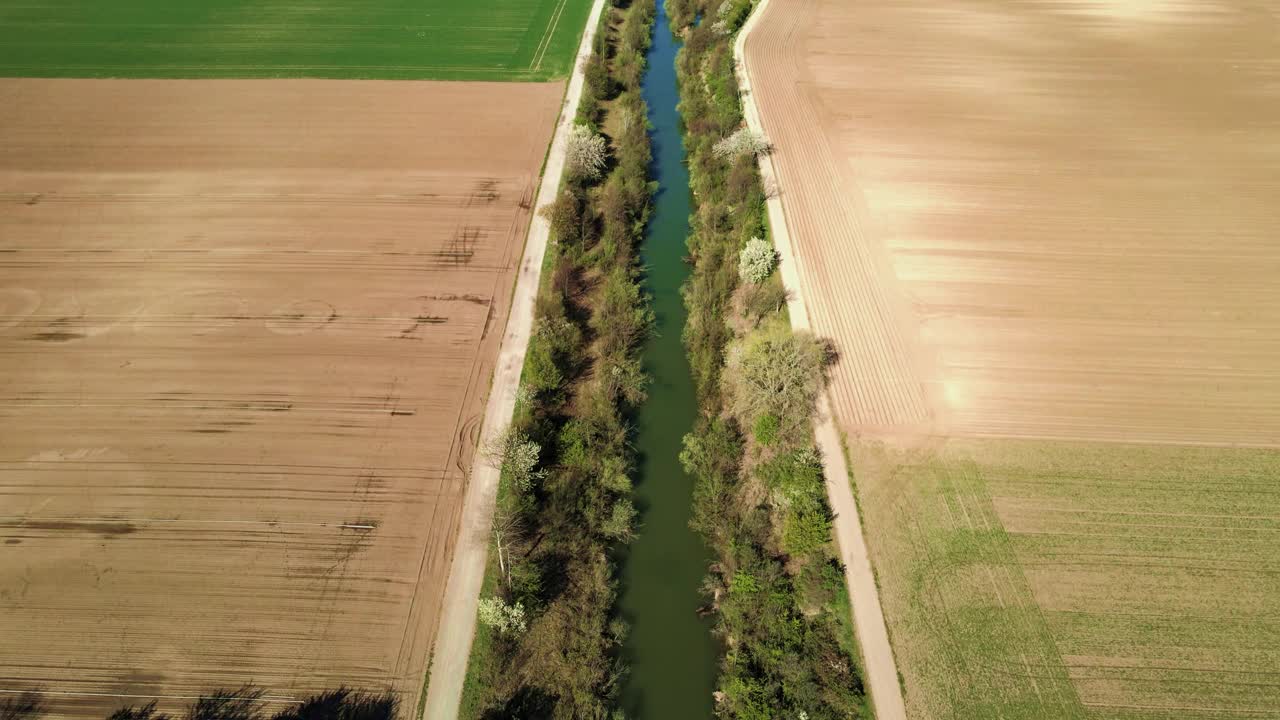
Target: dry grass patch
1060, 580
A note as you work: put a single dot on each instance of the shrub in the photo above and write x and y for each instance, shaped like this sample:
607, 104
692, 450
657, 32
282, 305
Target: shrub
596, 75
560, 335
540, 371
766, 429
805, 532
711, 456
744, 583
757, 260
621, 521
566, 218
622, 319
796, 478
627, 381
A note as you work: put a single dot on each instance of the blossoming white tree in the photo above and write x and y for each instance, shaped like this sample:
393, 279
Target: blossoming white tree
743, 141
585, 154
756, 261
516, 456
506, 619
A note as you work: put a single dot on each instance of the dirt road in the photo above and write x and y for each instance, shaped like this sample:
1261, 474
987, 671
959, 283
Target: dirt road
879, 668
462, 596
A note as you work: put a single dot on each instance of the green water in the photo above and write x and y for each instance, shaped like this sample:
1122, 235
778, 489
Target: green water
670, 649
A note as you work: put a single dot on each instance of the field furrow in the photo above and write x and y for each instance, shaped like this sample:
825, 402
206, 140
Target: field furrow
246, 333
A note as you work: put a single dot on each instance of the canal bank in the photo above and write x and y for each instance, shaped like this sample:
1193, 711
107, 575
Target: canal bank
670, 650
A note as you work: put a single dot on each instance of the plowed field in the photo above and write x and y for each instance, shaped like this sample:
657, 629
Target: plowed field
1043, 239
246, 331
1047, 220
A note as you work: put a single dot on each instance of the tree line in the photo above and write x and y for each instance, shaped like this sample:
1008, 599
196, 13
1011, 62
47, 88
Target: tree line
243, 703
776, 587
548, 638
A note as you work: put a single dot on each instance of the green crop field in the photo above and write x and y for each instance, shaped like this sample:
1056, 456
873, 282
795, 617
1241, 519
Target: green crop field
391, 39
1046, 580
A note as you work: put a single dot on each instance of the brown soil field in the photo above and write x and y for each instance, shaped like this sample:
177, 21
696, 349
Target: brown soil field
1051, 220
246, 333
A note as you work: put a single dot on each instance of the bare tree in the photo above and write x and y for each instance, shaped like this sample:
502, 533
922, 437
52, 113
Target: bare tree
774, 370
508, 530
770, 186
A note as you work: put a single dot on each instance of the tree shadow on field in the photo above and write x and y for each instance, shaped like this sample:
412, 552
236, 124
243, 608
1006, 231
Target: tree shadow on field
24, 706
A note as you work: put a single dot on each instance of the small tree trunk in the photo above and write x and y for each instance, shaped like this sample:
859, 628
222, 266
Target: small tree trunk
502, 562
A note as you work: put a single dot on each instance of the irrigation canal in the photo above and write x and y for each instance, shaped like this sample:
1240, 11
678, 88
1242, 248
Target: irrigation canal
670, 650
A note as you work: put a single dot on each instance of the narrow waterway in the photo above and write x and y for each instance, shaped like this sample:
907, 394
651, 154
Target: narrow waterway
670, 649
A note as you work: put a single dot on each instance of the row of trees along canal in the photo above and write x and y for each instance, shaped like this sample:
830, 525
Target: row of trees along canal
777, 588
548, 639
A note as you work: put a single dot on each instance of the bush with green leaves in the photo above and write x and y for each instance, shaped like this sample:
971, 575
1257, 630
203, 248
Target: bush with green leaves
803, 533
620, 525
766, 429
795, 480
566, 217
541, 372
